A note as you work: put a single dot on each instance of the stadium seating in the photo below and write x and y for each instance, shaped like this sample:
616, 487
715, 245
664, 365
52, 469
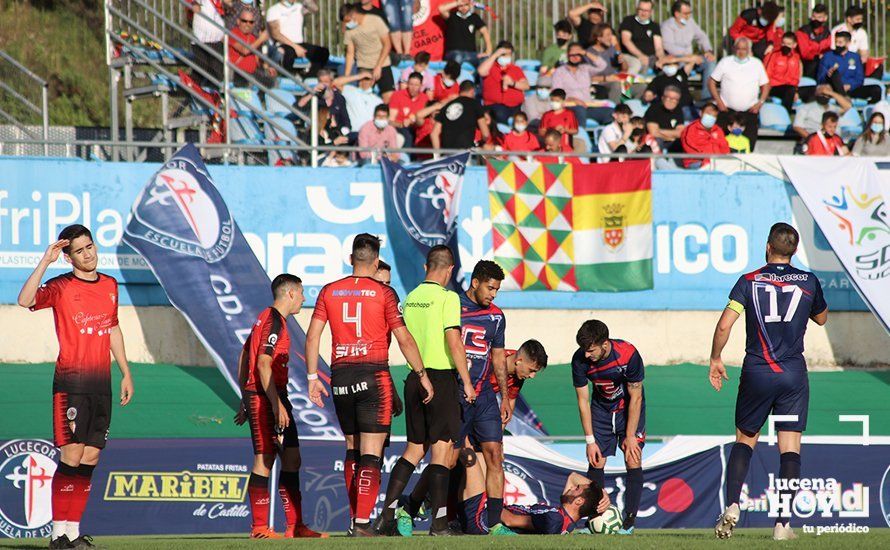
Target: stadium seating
275, 136
774, 118
637, 107
246, 101
850, 124
279, 102
244, 130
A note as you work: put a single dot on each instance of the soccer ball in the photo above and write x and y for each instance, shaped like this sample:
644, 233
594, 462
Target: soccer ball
607, 523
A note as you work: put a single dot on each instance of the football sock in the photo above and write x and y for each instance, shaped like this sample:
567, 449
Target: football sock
63, 485
258, 492
82, 486
349, 476
632, 496
597, 475
289, 491
438, 496
737, 471
398, 480
455, 478
495, 507
789, 468
418, 494
367, 487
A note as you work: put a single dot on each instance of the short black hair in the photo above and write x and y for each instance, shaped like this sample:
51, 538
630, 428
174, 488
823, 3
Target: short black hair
676, 6
439, 257
829, 116
709, 105
737, 118
348, 9
72, 232
416, 75
535, 351
783, 239
383, 266
466, 86
592, 332
592, 494
422, 57
562, 26
623, 109
770, 11
281, 283
505, 44
365, 247
486, 270
843, 34
525, 116
790, 35
820, 8
853, 11
382, 108
452, 69
558, 93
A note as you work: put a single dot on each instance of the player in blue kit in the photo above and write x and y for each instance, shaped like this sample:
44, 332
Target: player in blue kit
778, 300
614, 413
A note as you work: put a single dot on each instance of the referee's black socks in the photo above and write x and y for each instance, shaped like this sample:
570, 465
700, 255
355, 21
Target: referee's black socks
398, 480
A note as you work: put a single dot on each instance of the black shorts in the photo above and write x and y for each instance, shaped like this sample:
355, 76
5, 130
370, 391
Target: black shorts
81, 418
363, 398
386, 83
438, 420
261, 419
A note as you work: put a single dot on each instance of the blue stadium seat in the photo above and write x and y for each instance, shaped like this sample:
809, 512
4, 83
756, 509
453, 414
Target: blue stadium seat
637, 107
466, 75
274, 136
279, 102
595, 138
850, 124
867, 111
437, 66
774, 117
585, 137
245, 131
858, 103
806, 81
290, 85
245, 98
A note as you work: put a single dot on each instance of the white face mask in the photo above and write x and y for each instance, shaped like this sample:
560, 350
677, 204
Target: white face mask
780, 22
556, 105
543, 93
519, 128
464, 15
504, 60
684, 20
351, 25
447, 82
670, 70
381, 123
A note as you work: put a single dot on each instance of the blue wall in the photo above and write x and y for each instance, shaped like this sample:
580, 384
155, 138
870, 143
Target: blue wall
709, 228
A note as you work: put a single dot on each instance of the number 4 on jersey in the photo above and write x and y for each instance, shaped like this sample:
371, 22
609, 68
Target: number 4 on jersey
354, 319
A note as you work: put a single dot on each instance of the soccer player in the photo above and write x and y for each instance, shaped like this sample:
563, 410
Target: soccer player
522, 364
432, 313
778, 300
614, 414
84, 304
262, 375
362, 313
384, 273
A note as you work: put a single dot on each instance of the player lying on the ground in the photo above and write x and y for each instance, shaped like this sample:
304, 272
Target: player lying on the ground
262, 376
778, 300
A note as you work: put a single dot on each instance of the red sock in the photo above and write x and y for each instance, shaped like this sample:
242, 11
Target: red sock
82, 485
367, 487
64, 484
349, 477
289, 490
258, 492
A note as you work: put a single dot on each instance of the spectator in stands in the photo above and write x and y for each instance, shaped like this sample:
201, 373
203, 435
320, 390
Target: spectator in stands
404, 106
234, 9
783, 67
328, 134
360, 100
494, 138
503, 83
664, 119
538, 103
813, 40
421, 66
873, 142
736, 139
378, 134
370, 7
559, 118
445, 85
243, 57
285, 21
553, 143
461, 27
641, 40
607, 61
843, 70
756, 24
678, 35
400, 16
367, 47
808, 117
457, 121
854, 24
584, 18
520, 138
616, 134
703, 136
677, 76
209, 29
744, 87
331, 98
648, 143
555, 54
825, 141
575, 77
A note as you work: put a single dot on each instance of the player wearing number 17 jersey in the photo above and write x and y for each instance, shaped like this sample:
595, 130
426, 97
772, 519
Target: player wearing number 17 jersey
362, 313
778, 300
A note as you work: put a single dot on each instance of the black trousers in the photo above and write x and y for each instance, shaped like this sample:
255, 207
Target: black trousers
786, 94
870, 93
752, 124
208, 62
317, 55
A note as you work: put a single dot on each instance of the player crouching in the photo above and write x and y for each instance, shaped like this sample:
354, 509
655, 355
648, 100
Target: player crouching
262, 373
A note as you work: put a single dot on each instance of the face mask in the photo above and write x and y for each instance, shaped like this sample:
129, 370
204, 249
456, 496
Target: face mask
822, 99
543, 93
504, 60
736, 131
556, 105
763, 22
857, 26
708, 121
519, 128
447, 82
815, 24
741, 60
561, 42
381, 123
840, 51
877, 128
684, 20
463, 15
786, 50
351, 25
670, 70
642, 21
780, 22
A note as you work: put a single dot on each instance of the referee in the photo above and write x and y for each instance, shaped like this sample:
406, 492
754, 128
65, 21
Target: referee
432, 315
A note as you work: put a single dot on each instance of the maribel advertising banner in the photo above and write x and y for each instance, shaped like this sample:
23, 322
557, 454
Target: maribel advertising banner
179, 486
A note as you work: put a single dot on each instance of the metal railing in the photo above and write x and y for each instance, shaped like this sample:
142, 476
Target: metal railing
25, 97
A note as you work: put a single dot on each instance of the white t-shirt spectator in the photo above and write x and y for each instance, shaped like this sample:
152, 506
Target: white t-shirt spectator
858, 38
612, 132
290, 20
740, 81
204, 30
360, 104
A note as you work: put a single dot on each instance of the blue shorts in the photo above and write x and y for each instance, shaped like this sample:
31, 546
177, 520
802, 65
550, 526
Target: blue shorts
609, 428
481, 420
400, 15
471, 515
762, 393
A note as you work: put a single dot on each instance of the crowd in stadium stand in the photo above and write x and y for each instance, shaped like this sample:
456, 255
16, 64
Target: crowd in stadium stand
640, 86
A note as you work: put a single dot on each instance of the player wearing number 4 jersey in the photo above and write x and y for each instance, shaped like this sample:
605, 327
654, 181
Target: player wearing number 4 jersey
362, 313
777, 300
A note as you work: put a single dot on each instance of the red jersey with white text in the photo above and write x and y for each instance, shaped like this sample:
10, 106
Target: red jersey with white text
268, 336
362, 313
84, 313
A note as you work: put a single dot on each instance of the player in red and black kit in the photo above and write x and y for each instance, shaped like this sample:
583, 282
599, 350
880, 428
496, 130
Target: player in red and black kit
262, 375
362, 313
84, 304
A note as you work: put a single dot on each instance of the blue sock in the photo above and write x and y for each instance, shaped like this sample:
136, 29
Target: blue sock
632, 495
737, 471
789, 468
495, 506
597, 475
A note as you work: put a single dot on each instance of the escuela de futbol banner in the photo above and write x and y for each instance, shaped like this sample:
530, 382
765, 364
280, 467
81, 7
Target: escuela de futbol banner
848, 199
184, 230
572, 227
